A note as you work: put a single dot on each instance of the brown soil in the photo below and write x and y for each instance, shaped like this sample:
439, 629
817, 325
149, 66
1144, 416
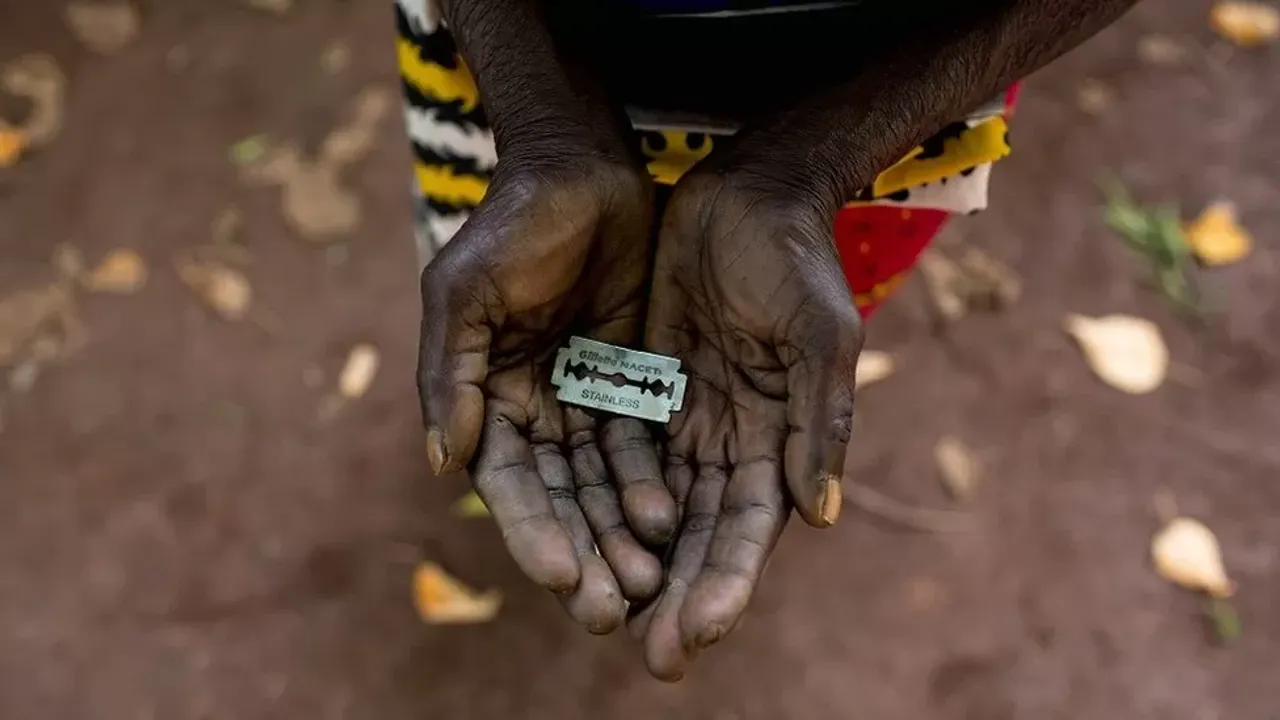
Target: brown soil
182, 537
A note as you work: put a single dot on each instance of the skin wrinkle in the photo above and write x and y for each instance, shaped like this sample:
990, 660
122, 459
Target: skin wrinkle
712, 250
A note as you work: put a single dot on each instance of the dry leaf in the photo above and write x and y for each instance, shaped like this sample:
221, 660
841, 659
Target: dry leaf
873, 366
38, 79
991, 285
1247, 24
1127, 352
470, 506
224, 289
357, 375
12, 142
1156, 49
1186, 552
104, 26
1095, 97
443, 600
1216, 237
122, 271
944, 281
315, 203
958, 467
350, 142
68, 261
44, 350
336, 57
24, 314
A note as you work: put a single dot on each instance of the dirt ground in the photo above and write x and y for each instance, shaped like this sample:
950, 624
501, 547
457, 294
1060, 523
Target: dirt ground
182, 536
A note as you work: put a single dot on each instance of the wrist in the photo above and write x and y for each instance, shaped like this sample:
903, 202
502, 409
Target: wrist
547, 136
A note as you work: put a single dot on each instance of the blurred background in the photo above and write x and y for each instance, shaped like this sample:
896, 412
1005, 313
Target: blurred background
214, 500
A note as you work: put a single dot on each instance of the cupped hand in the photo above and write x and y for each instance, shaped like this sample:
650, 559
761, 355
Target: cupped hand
749, 294
559, 246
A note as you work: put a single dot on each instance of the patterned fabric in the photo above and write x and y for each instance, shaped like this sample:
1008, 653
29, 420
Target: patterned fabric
879, 234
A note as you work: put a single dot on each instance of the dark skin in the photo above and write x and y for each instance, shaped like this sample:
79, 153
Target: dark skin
561, 245
746, 290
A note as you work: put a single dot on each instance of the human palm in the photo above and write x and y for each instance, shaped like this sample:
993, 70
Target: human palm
553, 250
748, 293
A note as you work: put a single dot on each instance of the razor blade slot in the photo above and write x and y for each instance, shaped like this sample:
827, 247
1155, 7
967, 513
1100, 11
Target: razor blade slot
583, 371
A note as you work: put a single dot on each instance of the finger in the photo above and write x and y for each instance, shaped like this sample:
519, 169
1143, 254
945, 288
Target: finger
638, 571
632, 458
753, 513
459, 314
666, 328
679, 481
506, 478
820, 350
666, 654
597, 603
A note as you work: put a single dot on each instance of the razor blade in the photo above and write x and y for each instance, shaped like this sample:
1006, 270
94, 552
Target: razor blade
618, 380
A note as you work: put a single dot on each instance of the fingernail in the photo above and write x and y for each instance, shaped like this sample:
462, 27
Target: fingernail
829, 499
709, 636
436, 453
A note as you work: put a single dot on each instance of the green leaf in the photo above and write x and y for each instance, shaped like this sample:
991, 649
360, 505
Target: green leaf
1156, 235
249, 150
1226, 621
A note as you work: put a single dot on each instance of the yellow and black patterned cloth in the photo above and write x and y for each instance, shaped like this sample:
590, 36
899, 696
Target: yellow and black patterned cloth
879, 234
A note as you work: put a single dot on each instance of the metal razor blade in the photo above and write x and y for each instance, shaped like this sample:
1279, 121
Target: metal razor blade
618, 380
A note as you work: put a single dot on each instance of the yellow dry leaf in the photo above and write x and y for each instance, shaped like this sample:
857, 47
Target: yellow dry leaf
224, 289
12, 143
1247, 24
442, 600
958, 466
1128, 353
357, 375
1216, 237
873, 366
121, 271
1186, 552
470, 506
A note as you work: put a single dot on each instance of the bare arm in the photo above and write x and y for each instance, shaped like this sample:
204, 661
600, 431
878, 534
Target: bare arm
833, 143
537, 99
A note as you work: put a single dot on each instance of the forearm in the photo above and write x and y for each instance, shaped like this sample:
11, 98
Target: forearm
833, 144
536, 99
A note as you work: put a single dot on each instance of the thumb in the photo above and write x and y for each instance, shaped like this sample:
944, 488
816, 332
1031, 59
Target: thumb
459, 305
821, 353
